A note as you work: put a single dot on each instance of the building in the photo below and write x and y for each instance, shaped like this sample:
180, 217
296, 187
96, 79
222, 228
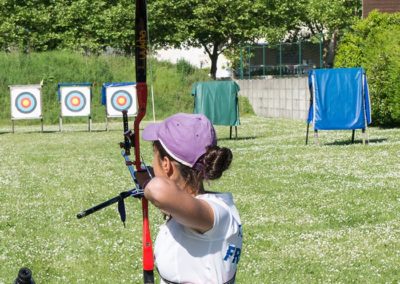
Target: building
387, 6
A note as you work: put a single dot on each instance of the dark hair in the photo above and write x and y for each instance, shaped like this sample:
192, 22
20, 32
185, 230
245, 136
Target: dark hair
216, 160
210, 166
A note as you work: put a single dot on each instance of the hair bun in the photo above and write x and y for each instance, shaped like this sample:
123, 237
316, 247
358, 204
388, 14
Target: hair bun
216, 161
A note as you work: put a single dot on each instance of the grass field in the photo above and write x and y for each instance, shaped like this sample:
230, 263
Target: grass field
311, 214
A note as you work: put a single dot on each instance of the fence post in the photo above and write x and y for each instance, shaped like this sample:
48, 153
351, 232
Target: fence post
263, 59
241, 63
280, 58
300, 52
249, 55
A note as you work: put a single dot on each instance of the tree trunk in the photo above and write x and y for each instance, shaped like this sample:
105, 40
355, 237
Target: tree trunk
331, 51
214, 60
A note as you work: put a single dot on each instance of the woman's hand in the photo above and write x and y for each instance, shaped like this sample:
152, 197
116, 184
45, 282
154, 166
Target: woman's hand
144, 176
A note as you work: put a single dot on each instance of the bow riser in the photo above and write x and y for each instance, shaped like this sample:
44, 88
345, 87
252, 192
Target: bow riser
141, 92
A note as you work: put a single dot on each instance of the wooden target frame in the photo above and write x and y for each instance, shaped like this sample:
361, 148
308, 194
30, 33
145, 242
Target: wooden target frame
26, 103
75, 101
118, 97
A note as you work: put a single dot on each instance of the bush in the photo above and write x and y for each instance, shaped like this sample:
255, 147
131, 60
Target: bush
184, 68
374, 44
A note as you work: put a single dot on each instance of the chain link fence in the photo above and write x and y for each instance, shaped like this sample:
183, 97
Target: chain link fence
283, 59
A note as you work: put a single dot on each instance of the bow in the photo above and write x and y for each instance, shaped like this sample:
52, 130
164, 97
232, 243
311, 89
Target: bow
131, 139
141, 91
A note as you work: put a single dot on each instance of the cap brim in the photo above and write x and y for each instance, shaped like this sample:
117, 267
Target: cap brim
150, 132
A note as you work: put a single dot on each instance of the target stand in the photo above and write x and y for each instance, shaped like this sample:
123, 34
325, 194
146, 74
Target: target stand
75, 101
26, 103
118, 97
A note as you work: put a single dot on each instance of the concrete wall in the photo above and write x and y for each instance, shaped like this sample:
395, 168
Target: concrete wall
277, 97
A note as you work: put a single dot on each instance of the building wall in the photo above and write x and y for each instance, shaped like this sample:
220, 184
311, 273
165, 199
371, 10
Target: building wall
277, 97
389, 6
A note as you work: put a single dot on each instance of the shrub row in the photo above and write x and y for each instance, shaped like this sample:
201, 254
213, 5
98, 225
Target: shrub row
374, 44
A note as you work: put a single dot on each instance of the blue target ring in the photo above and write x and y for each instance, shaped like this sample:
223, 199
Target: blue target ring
25, 102
75, 101
121, 100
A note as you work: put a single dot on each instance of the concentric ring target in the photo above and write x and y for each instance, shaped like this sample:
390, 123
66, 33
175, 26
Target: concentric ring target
25, 102
121, 100
75, 101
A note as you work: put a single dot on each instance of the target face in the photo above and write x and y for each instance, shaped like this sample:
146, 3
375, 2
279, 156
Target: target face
25, 102
121, 98
75, 100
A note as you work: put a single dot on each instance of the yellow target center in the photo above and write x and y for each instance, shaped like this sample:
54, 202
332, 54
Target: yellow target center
75, 101
121, 101
26, 102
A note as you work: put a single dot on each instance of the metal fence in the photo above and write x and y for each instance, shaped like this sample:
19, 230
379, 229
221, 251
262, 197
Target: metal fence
283, 59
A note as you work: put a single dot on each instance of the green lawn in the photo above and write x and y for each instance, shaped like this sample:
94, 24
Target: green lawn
311, 214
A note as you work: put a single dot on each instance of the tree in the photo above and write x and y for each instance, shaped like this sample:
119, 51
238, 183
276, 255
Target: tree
117, 28
27, 25
215, 25
85, 25
327, 19
94, 25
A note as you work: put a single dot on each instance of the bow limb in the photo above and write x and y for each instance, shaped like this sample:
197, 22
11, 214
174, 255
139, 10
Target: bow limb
140, 68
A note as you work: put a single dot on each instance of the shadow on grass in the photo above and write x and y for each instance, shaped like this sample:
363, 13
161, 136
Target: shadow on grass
33, 131
348, 142
52, 131
238, 138
62, 131
85, 131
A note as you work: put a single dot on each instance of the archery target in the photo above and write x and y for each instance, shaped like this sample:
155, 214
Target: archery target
75, 100
121, 98
26, 102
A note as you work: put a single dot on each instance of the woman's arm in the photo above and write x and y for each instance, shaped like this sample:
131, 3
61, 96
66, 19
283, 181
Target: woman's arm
182, 206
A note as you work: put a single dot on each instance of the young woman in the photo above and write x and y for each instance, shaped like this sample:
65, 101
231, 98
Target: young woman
201, 240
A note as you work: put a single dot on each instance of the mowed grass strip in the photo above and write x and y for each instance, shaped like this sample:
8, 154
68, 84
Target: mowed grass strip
311, 214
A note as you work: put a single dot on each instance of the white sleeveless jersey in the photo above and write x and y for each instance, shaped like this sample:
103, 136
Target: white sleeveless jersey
183, 255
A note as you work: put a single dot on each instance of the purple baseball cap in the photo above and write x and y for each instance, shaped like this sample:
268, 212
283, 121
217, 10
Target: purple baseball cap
184, 136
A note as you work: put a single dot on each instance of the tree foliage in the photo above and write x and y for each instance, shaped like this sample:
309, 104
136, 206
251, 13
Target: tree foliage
26, 25
328, 20
374, 44
215, 25
218, 26
85, 25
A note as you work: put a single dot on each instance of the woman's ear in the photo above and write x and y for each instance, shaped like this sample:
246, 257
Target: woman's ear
167, 166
